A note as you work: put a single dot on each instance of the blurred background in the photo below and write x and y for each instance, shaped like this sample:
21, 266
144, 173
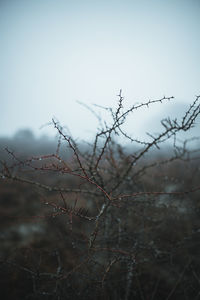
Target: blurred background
55, 53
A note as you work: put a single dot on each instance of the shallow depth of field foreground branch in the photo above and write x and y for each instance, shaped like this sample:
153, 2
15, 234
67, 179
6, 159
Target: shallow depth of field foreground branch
114, 222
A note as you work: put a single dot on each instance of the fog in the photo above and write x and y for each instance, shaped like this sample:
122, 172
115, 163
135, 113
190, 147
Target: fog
55, 53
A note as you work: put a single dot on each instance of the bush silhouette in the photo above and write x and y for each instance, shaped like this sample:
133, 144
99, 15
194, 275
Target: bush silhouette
105, 221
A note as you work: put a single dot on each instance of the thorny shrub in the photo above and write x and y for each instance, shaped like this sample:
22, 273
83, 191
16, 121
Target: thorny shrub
106, 222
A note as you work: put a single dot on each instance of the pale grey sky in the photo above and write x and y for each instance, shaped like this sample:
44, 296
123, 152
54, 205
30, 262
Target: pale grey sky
54, 53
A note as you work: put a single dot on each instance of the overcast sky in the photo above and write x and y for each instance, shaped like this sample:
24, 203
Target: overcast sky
55, 53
